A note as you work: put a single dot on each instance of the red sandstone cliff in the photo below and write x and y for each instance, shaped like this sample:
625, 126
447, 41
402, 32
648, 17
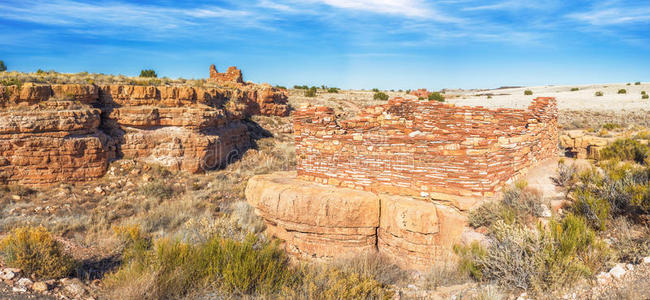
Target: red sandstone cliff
68, 133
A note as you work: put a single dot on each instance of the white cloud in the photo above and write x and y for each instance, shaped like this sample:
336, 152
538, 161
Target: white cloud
601, 16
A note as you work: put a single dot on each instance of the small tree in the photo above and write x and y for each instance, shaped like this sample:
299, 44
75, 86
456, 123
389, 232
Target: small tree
311, 92
333, 90
528, 92
380, 96
437, 96
3, 67
148, 73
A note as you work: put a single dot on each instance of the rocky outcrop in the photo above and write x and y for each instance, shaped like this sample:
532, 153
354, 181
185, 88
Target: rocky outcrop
583, 144
45, 141
323, 221
68, 133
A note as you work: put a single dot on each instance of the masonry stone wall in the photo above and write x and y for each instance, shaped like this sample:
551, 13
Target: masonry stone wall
425, 148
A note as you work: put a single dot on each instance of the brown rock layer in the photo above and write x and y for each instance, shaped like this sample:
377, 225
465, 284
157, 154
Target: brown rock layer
323, 221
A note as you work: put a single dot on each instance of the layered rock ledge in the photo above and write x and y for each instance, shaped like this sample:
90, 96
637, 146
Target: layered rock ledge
322, 221
69, 132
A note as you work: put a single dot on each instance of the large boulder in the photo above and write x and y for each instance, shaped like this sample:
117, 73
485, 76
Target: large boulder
323, 221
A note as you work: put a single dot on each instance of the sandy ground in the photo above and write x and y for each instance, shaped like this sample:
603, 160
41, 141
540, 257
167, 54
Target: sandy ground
583, 99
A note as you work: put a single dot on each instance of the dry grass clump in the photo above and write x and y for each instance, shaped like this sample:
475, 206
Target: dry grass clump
328, 282
372, 265
631, 242
34, 250
626, 149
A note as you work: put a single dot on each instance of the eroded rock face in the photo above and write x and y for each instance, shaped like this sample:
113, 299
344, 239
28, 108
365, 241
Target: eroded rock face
323, 221
68, 133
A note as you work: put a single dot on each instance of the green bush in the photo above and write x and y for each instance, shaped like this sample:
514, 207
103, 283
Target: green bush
3, 67
300, 87
643, 92
376, 90
575, 89
380, 96
622, 91
625, 149
311, 92
644, 96
528, 92
40, 72
280, 87
593, 208
599, 94
171, 269
333, 90
637, 83
436, 96
148, 73
36, 252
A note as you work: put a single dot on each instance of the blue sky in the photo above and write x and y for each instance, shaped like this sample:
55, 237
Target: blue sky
389, 44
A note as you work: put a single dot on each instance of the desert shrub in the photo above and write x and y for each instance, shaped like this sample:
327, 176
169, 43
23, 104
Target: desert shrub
610, 126
631, 242
622, 91
593, 208
159, 189
333, 90
566, 176
3, 67
625, 149
519, 204
437, 96
328, 282
570, 250
171, 269
528, 92
380, 96
644, 96
489, 96
643, 93
376, 90
540, 260
575, 89
637, 83
148, 73
300, 87
311, 92
40, 72
599, 94
407, 92
36, 252
11, 81
489, 213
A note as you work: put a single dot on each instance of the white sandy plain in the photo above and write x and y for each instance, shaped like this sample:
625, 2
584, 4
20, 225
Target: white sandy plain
583, 99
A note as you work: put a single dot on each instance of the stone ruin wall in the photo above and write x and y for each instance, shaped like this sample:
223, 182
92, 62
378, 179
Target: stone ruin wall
398, 178
425, 149
69, 132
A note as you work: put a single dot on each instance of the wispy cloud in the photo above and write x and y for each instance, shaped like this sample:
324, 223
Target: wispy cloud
614, 13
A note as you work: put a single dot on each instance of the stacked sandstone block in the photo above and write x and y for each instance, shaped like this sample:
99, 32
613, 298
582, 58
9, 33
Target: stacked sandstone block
398, 178
425, 148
